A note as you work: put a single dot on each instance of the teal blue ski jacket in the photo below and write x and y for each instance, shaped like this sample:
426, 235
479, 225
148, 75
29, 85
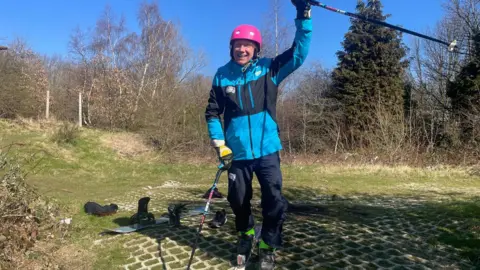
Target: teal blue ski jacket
247, 98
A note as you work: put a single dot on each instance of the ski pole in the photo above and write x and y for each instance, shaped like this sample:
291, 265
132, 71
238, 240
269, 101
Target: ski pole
451, 46
217, 177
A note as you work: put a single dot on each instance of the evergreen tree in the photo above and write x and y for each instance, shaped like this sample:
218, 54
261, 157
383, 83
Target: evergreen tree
464, 94
369, 76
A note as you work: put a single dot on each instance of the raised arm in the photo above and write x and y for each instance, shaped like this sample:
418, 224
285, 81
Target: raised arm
290, 60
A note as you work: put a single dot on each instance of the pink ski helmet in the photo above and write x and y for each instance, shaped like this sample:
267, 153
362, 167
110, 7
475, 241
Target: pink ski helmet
248, 32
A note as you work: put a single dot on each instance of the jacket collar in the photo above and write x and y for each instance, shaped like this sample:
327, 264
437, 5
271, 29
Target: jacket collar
238, 69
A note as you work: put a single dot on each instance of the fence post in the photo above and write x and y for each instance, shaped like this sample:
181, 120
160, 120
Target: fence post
80, 109
47, 106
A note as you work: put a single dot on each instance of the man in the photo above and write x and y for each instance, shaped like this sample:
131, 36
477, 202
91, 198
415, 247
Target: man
245, 92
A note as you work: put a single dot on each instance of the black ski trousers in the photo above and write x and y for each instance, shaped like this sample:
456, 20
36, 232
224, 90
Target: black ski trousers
274, 205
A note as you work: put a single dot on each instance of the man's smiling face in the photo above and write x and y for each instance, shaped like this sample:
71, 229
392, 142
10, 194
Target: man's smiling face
243, 51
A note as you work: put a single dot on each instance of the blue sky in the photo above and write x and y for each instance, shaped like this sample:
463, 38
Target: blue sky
47, 25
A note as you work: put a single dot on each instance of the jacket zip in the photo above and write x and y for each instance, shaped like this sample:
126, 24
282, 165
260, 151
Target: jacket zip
239, 90
248, 114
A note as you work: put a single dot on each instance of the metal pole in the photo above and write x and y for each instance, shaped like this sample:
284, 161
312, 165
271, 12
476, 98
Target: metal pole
451, 46
205, 211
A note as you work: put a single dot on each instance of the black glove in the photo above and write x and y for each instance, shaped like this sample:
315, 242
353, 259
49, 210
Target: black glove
303, 8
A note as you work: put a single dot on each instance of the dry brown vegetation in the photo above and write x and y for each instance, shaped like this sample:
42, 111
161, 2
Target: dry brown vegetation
30, 233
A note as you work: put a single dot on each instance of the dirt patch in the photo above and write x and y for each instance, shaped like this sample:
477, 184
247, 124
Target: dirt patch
439, 190
47, 255
171, 184
72, 257
125, 144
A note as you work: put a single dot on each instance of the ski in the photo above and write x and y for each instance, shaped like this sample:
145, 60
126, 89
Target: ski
159, 221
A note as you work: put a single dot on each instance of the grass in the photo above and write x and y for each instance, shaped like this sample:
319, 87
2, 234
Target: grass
92, 170
111, 257
464, 232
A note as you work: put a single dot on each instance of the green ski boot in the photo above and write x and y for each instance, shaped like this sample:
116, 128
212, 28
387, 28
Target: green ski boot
267, 256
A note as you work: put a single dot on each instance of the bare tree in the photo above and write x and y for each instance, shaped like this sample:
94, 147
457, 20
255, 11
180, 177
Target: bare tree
163, 62
277, 31
110, 34
433, 67
24, 82
129, 79
83, 55
64, 79
311, 123
465, 16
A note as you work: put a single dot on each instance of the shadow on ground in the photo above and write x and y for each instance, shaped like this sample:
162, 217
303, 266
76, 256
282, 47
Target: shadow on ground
330, 232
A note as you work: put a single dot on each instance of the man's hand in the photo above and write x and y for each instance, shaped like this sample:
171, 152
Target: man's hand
225, 154
303, 8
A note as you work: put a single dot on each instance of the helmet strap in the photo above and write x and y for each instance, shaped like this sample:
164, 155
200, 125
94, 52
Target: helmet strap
256, 53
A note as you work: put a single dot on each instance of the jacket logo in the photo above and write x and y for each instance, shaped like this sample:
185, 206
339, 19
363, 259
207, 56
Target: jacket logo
258, 72
230, 90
